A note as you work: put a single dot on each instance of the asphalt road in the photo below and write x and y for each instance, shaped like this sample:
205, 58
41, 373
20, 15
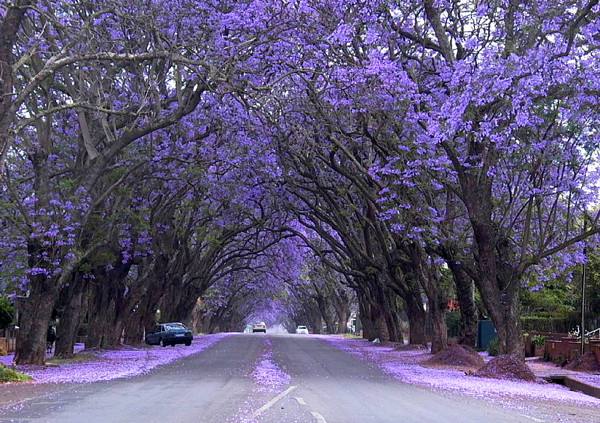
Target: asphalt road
215, 386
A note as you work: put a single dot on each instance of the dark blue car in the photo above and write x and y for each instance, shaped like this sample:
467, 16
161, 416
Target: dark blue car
169, 334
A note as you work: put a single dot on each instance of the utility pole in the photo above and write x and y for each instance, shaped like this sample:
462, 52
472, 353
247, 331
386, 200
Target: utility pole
583, 303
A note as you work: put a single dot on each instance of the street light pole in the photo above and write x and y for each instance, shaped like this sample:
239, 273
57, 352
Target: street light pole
583, 304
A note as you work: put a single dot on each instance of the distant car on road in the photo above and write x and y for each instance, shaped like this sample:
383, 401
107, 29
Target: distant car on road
169, 334
302, 330
259, 327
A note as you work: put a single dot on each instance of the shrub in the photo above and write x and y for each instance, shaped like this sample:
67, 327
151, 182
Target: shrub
10, 375
538, 340
494, 347
453, 323
7, 312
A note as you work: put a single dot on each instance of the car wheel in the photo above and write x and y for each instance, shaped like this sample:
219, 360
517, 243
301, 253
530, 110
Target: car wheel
163, 343
187, 344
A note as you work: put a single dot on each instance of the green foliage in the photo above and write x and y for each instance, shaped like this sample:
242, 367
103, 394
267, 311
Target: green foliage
10, 375
544, 324
494, 347
556, 307
453, 323
592, 291
556, 299
538, 340
7, 312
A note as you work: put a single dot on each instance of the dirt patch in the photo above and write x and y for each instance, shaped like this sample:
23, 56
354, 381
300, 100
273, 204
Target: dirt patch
457, 355
586, 363
409, 347
506, 367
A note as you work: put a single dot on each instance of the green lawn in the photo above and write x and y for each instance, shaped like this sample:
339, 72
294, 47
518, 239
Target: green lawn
9, 375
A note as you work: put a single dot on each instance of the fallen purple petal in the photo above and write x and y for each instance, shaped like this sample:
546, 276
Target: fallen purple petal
268, 375
406, 366
113, 364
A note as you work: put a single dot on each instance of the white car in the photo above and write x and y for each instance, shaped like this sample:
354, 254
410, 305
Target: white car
302, 330
259, 327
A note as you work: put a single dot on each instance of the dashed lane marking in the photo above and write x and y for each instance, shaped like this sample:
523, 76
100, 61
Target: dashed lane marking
535, 419
300, 400
273, 402
318, 417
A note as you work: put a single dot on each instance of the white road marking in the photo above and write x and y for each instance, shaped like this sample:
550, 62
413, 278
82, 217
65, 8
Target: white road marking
535, 419
273, 402
300, 400
318, 417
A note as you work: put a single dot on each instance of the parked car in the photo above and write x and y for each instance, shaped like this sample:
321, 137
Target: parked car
169, 334
302, 330
259, 327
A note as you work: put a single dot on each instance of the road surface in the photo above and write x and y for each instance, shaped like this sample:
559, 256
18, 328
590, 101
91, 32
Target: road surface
327, 385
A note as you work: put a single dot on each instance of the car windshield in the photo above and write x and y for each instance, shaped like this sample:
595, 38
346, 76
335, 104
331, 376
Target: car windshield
301, 327
175, 327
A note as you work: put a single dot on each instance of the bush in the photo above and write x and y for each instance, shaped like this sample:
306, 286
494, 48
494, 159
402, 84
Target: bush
538, 340
7, 312
494, 347
11, 375
545, 324
453, 323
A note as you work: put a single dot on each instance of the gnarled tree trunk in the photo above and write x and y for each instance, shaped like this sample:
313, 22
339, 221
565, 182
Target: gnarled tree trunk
34, 317
70, 318
417, 320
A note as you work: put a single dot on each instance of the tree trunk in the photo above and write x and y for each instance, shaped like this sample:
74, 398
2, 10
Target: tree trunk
368, 327
506, 318
439, 341
134, 330
324, 310
142, 319
106, 305
66, 333
380, 323
34, 317
417, 320
101, 313
468, 310
392, 317
499, 288
498, 281
343, 314
316, 321
182, 309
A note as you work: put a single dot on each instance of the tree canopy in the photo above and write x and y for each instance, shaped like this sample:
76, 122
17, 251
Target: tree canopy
228, 161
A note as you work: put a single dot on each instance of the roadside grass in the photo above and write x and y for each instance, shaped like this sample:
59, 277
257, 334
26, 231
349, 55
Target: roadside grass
11, 375
351, 336
77, 358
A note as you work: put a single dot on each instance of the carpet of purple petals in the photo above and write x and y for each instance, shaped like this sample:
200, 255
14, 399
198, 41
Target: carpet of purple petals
7, 360
269, 379
405, 365
268, 375
113, 364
